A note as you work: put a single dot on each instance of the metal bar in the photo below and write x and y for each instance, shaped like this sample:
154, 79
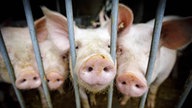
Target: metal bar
187, 89
30, 23
114, 20
58, 6
154, 46
9, 67
69, 13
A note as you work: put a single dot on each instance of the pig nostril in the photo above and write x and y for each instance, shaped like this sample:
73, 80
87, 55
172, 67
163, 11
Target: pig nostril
90, 69
58, 80
106, 69
34, 78
48, 80
23, 80
138, 86
124, 83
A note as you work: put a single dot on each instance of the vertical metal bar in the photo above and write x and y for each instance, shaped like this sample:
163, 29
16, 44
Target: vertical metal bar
7, 61
58, 6
32, 31
154, 45
187, 88
69, 12
114, 20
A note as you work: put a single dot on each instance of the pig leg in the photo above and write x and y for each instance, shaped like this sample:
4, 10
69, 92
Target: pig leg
152, 95
84, 98
154, 89
124, 100
61, 90
92, 99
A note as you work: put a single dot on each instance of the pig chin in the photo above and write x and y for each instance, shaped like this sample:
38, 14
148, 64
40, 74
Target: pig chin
94, 88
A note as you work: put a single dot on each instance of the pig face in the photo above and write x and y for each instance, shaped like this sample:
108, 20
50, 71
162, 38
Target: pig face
55, 59
94, 66
132, 56
134, 42
19, 50
55, 64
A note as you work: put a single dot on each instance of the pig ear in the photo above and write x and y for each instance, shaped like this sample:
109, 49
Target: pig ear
41, 30
125, 18
57, 29
176, 33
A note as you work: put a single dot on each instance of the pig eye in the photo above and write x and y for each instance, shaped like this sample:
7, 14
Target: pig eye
119, 51
64, 57
78, 44
109, 46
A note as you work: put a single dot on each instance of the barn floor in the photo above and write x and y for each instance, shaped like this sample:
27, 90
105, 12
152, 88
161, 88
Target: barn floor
168, 96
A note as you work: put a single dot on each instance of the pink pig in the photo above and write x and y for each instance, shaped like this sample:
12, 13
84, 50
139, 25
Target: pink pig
134, 41
21, 54
94, 68
20, 50
55, 60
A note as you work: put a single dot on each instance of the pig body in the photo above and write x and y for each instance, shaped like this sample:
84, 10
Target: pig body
134, 42
95, 69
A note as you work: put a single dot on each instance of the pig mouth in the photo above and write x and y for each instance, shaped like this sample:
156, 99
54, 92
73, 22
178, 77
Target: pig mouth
96, 88
92, 87
97, 85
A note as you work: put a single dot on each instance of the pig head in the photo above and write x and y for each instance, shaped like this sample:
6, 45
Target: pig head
55, 59
134, 42
19, 50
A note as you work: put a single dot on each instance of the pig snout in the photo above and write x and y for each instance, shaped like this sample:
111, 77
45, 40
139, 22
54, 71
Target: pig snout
54, 80
29, 80
131, 85
97, 71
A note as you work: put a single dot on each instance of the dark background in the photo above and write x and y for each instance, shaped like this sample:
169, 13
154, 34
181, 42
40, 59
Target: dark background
144, 10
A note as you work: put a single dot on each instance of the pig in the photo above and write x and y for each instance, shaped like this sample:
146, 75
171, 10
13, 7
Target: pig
133, 49
21, 54
55, 59
95, 69
18, 47
20, 50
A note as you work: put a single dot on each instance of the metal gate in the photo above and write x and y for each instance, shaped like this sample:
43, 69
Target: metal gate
69, 13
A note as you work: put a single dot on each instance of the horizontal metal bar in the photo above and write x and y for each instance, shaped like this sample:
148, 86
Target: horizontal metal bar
114, 20
10, 70
154, 45
30, 23
69, 12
